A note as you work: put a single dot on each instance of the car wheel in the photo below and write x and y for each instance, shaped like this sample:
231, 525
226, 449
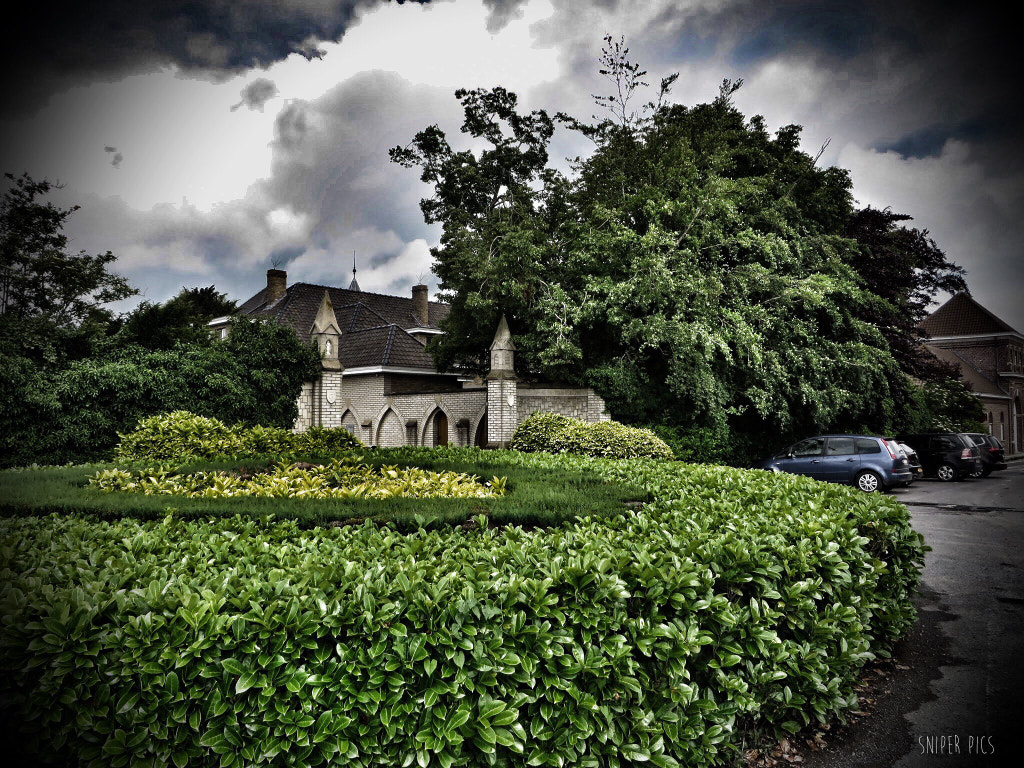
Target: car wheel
869, 482
947, 473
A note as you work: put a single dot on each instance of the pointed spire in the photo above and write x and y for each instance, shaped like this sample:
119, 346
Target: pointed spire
503, 337
326, 333
354, 285
502, 353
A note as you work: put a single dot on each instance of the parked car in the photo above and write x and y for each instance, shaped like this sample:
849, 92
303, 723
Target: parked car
870, 463
948, 456
992, 454
913, 460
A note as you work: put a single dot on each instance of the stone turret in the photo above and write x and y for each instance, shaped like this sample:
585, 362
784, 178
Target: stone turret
326, 333
502, 397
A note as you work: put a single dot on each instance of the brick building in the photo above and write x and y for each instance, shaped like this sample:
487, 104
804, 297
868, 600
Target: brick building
990, 357
379, 382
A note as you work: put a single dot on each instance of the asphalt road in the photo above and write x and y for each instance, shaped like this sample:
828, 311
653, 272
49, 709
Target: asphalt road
956, 695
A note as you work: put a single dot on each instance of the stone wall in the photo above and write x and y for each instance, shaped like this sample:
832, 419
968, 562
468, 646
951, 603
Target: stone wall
377, 411
577, 403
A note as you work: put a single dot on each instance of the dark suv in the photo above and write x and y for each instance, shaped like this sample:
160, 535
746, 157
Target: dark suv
946, 455
992, 456
870, 463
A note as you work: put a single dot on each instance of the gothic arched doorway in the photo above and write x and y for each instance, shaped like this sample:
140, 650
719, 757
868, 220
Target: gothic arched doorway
480, 438
440, 428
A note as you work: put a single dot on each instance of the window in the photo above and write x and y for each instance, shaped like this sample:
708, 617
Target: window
841, 446
810, 447
867, 445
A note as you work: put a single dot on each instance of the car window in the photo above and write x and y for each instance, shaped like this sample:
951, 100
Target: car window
867, 445
840, 446
810, 447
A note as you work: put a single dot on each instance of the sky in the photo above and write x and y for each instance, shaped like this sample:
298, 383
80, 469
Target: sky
209, 141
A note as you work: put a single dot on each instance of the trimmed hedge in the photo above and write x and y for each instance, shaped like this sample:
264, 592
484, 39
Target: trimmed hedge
181, 435
737, 604
554, 433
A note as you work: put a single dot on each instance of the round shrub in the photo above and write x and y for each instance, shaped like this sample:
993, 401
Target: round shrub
539, 432
555, 433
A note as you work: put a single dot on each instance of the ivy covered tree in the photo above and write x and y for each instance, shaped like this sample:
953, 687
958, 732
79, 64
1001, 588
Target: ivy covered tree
694, 269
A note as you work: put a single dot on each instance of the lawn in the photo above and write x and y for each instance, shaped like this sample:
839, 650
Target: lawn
533, 497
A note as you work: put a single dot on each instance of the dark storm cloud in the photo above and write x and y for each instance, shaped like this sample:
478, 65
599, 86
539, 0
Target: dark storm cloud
117, 156
47, 47
331, 155
952, 61
501, 12
256, 94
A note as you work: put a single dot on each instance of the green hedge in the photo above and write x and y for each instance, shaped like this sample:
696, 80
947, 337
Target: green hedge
737, 603
554, 433
180, 435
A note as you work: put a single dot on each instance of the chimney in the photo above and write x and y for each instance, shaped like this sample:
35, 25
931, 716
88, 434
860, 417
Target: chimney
419, 305
277, 282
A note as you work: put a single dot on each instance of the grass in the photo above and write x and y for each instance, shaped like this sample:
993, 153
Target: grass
534, 498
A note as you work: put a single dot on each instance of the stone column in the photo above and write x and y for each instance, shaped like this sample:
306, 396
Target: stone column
502, 397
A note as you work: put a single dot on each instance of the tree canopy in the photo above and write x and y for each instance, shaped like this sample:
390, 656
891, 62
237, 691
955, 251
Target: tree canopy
39, 278
182, 318
695, 269
73, 376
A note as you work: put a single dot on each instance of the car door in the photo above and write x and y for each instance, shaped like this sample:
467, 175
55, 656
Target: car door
840, 461
805, 458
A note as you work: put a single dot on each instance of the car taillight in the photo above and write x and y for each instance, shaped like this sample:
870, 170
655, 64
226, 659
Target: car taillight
966, 453
992, 450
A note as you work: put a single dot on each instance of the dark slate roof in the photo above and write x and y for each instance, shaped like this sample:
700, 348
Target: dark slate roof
298, 307
372, 324
962, 316
384, 345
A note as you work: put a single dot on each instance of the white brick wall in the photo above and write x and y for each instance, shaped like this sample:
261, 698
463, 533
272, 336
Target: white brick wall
360, 403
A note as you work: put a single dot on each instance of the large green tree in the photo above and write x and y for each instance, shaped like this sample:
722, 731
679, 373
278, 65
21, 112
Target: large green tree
905, 268
72, 377
75, 412
693, 268
39, 277
182, 318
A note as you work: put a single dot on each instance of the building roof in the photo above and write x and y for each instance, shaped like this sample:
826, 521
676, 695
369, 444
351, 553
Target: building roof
978, 381
372, 324
299, 304
386, 345
963, 316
